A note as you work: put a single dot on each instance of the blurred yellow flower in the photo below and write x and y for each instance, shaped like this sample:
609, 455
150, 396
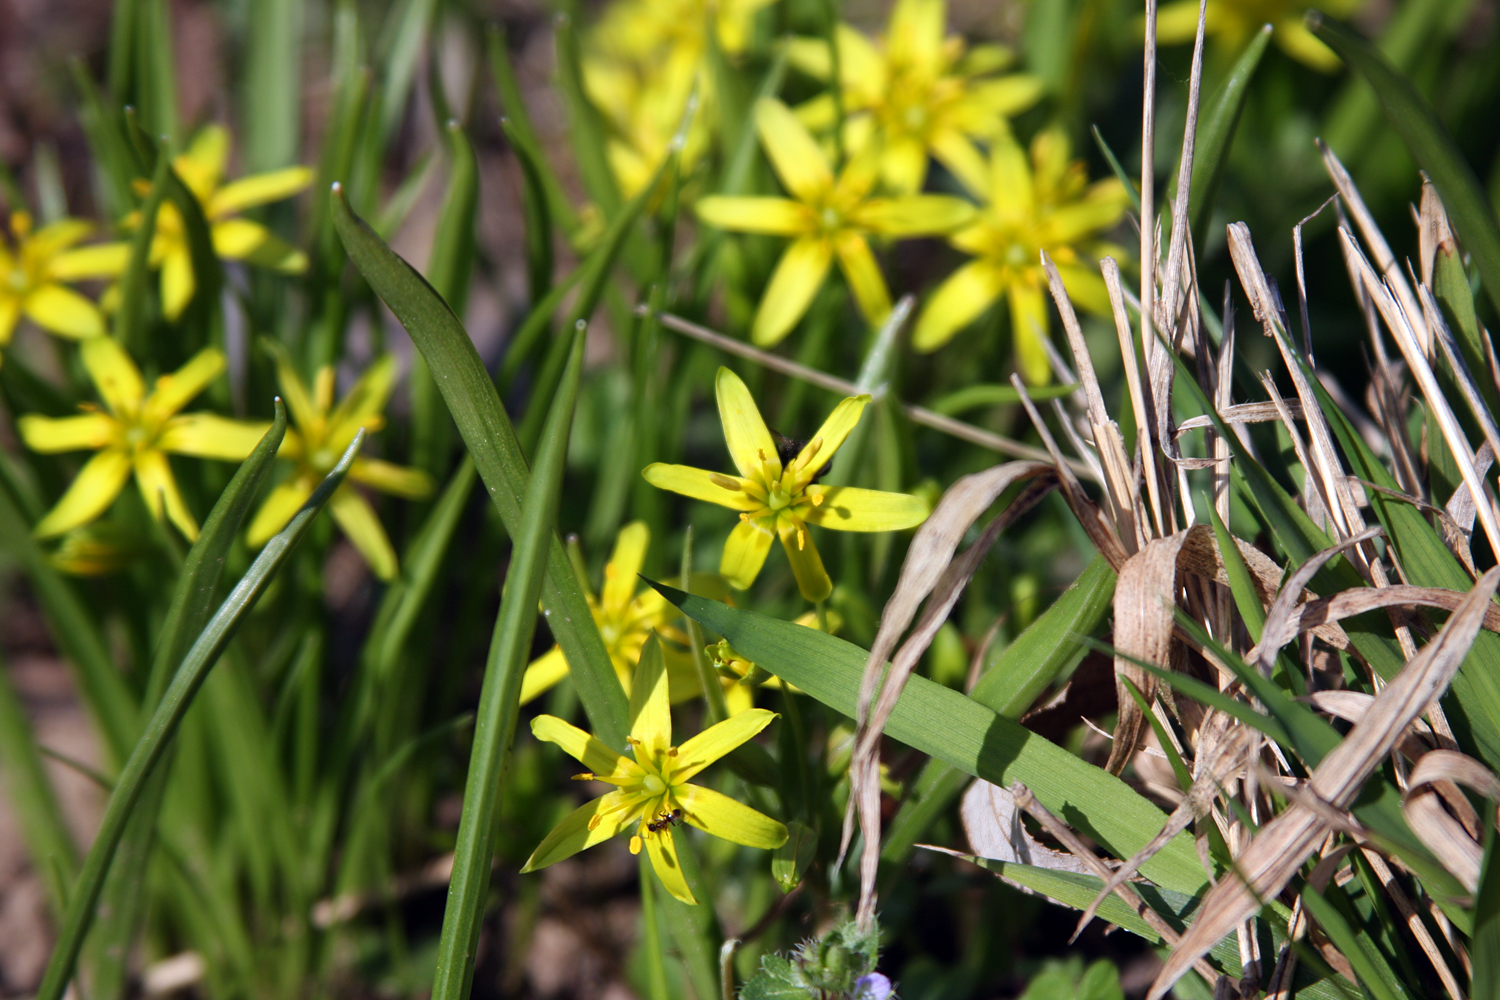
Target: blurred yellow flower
1046, 204
827, 217
654, 790
1232, 22
916, 93
135, 433
202, 170
320, 437
781, 500
625, 618
740, 676
34, 268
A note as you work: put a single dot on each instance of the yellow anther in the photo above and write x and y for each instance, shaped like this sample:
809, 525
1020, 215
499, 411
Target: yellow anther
744, 517
594, 821
585, 776
761, 452
635, 845
817, 499
672, 752
729, 483
610, 572
801, 538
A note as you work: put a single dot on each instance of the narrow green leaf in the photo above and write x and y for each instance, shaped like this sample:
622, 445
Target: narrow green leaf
1115, 167
1485, 945
129, 327
1374, 974
495, 722
961, 732
154, 741
1179, 769
1010, 683
1469, 210
972, 397
402, 39
155, 76
1216, 135
1241, 583
487, 431
590, 138
521, 132
535, 214
273, 84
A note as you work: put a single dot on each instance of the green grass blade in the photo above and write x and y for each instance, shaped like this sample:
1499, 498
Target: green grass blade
487, 431
33, 802
1469, 210
153, 743
520, 131
155, 70
130, 322
495, 723
273, 84
402, 39
961, 732
589, 136
1116, 168
1368, 964
1216, 135
1008, 686
972, 397
1485, 945
1241, 583
535, 214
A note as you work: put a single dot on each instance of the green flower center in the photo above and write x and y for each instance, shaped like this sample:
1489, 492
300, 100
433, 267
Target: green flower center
653, 785
830, 218
137, 436
777, 498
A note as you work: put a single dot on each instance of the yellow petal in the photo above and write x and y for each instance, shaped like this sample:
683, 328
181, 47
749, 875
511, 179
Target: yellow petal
241, 239
699, 484
115, 375
205, 158
807, 565
366, 398
573, 833
810, 56
54, 239
663, 854
903, 163
54, 434
863, 275
298, 400
1085, 288
915, 215
861, 65
718, 814
749, 441
793, 153
280, 505
848, 508
581, 746
623, 566
10, 314
958, 154
650, 708
1010, 189
738, 698
208, 435
177, 282
258, 189
718, 740
1302, 45
96, 487
103, 260
1029, 324
542, 674
413, 484
1178, 22
153, 474
797, 279
781, 216
174, 391
966, 294
745, 552
914, 36
1084, 218
1009, 95
359, 522
829, 439
64, 311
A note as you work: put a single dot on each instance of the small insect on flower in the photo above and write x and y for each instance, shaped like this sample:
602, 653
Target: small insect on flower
789, 448
664, 820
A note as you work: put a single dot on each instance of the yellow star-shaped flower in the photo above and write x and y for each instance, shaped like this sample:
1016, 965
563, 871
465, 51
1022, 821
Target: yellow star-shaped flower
319, 439
1046, 204
778, 498
654, 790
1232, 22
202, 170
916, 93
135, 433
827, 217
625, 620
741, 677
33, 272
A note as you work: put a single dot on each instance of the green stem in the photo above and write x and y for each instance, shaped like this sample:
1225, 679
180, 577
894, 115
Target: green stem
822, 607
656, 969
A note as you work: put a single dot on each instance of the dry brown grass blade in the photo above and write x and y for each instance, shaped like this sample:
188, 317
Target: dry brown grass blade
930, 569
1278, 850
1145, 604
1241, 413
1455, 842
992, 824
1280, 627
1172, 275
1323, 611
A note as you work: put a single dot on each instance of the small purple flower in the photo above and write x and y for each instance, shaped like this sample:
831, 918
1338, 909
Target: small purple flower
873, 987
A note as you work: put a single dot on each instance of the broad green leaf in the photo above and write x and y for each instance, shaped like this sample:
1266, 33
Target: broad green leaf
1469, 210
495, 721
961, 732
154, 742
1008, 686
487, 431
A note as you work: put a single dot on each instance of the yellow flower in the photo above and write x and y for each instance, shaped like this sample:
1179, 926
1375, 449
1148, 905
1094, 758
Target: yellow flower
657, 30
625, 619
32, 274
1232, 22
202, 170
643, 104
776, 495
1048, 205
740, 676
826, 217
135, 432
654, 789
321, 435
916, 93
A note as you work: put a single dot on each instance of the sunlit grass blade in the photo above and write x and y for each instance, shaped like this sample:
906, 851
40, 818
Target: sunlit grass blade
154, 742
1116, 167
1241, 584
961, 732
273, 84
1008, 686
1469, 209
1485, 945
495, 722
972, 397
402, 39
1216, 135
487, 431
1369, 965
